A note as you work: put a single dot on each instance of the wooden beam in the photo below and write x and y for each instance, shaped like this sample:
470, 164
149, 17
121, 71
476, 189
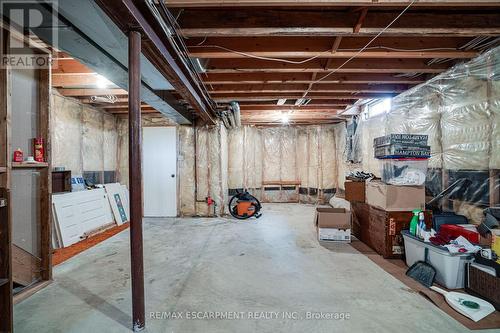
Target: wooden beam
274, 107
6, 304
135, 180
309, 111
119, 100
336, 44
361, 20
218, 54
305, 78
45, 178
121, 106
354, 66
237, 22
276, 96
91, 92
326, 3
69, 65
160, 51
80, 80
125, 111
296, 88
324, 44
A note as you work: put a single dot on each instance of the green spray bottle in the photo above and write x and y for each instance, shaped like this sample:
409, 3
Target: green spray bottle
414, 221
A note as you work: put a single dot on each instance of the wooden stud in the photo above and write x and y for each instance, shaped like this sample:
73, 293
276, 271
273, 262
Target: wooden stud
361, 20
45, 191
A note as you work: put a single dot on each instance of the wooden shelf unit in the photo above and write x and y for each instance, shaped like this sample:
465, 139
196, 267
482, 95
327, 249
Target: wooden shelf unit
24, 165
42, 77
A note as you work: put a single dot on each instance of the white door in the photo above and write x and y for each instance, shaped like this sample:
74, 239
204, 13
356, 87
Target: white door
160, 171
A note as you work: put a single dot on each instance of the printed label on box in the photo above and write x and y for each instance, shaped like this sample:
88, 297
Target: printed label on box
398, 250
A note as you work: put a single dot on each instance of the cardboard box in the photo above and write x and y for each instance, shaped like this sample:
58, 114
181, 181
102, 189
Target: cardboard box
398, 150
335, 235
334, 224
395, 198
333, 218
381, 230
406, 139
354, 191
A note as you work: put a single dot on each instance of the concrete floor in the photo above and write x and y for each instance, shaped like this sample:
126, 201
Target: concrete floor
274, 264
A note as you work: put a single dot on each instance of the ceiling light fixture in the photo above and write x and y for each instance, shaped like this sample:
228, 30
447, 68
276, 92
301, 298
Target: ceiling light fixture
281, 101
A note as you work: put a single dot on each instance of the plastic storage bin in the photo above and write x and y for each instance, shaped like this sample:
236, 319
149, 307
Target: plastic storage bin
450, 269
404, 171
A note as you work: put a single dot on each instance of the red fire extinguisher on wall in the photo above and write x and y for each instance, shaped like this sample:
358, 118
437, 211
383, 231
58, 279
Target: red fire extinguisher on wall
39, 152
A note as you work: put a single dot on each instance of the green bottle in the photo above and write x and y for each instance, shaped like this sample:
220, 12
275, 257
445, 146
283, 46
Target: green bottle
414, 222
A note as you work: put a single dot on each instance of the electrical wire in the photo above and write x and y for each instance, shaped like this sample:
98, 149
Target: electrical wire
171, 28
361, 50
319, 55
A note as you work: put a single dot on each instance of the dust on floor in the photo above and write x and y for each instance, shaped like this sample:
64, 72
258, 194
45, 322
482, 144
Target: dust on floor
223, 275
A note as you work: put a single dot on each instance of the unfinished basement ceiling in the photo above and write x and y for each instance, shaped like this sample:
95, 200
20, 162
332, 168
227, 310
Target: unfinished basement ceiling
276, 57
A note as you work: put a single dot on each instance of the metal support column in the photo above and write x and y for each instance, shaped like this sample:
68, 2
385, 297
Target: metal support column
135, 179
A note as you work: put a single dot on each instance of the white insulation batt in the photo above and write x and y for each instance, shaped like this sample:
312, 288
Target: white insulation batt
460, 111
83, 138
195, 184
304, 154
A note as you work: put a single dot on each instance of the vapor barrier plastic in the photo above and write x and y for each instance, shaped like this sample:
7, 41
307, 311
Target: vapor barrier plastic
66, 134
186, 171
83, 138
211, 169
270, 160
460, 112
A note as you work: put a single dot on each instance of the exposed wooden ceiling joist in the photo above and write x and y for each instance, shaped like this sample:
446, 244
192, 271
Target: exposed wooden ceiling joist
92, 92
78, 80
354, 66
225, 98
259, 51
323, 44
297, 88
305, 78
157, 47
232, 22
217, 54
326, 3
259, 107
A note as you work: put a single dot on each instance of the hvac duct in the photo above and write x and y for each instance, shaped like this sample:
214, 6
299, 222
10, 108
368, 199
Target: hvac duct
236, 113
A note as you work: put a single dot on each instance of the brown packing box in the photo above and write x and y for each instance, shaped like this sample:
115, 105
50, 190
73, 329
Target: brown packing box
381, 230
337, 218
395, 198
354, 191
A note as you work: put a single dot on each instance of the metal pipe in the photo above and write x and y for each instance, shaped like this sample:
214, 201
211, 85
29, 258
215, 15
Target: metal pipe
236, 112
135, 179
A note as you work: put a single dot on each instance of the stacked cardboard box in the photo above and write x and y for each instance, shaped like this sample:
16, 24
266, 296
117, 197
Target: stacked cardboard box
401, 146
333, 224
404, 158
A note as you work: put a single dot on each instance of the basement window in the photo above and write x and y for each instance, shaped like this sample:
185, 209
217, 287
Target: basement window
378, 107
